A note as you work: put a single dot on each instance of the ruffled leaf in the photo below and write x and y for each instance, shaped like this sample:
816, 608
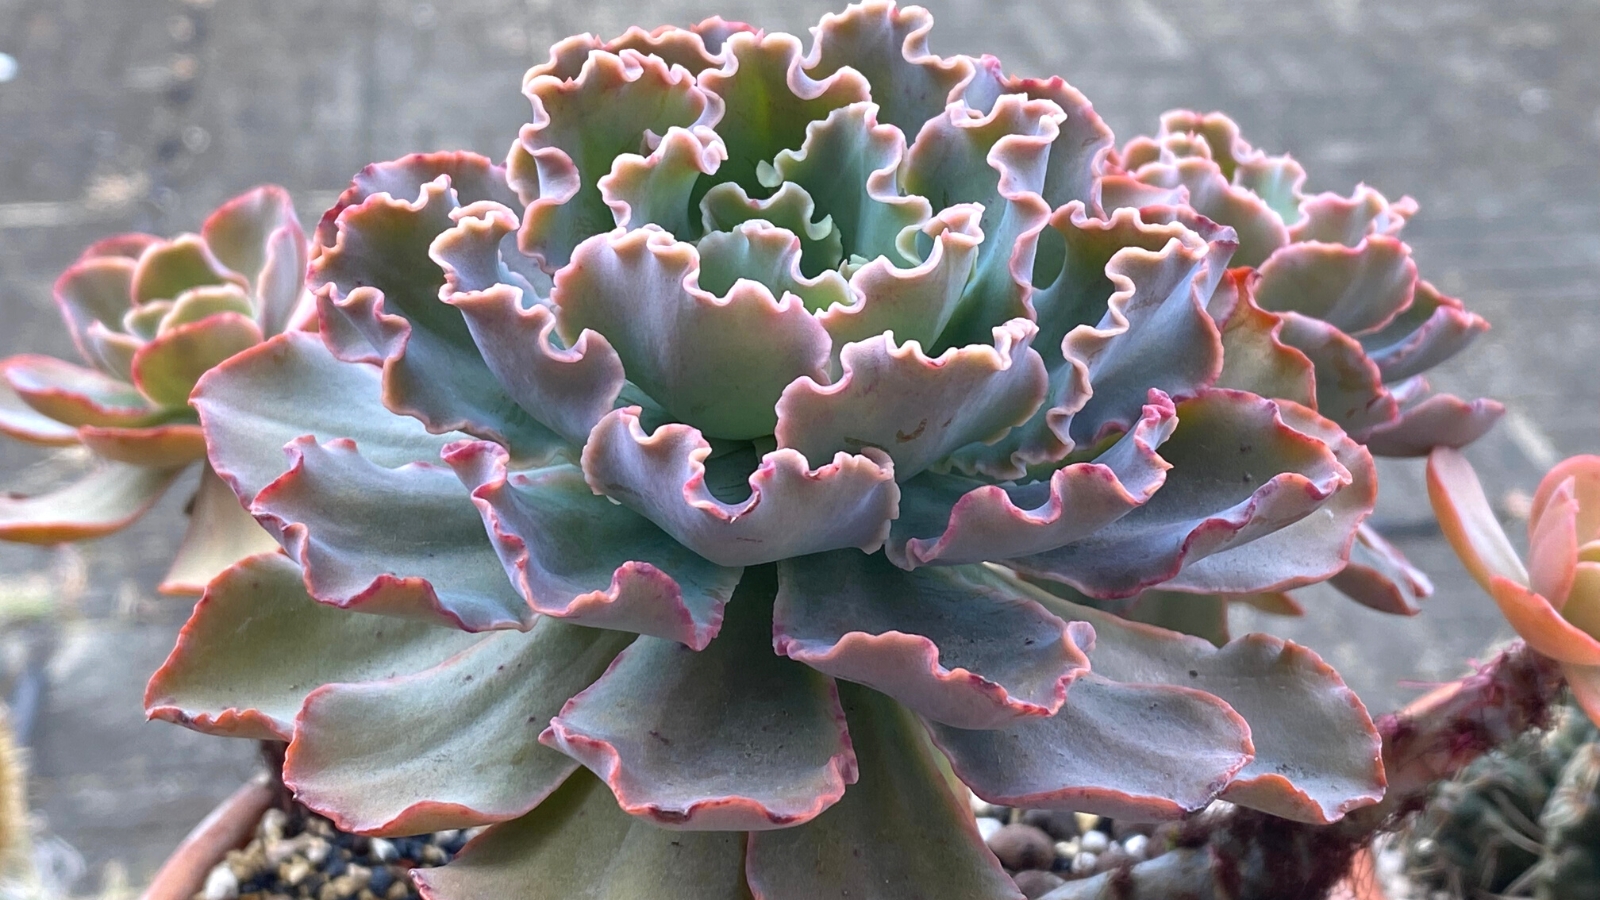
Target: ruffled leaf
791, 509
848, 166
379, 301
917, 302
1240, 472
434, 562
1426, 333
769, 99
1310, 548
368, 754
1159, 304
657, 189
1441, 420
889, 45
726, 206
898, 834
577, 844
1380, 577
996, 159
1075, 163
915, 409
579, 127
257, 644
1130, 751
683, 346
578, 556
473, 178
256, 402
965, 654
728, 738
110, 497
221, 532
1356, 289
1317, 754
1255, 356
953, 519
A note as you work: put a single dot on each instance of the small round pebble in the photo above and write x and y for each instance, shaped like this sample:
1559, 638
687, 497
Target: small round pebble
1136, 845
1094, 842
1083, 864
221, 884
1035, 884
1057, 823
1022, 847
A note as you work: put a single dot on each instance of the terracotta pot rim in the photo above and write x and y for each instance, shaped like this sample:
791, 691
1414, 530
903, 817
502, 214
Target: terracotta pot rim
227, 827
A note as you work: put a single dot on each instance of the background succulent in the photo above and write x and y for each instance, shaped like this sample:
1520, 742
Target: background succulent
703, 464
1520, 822
149, 317
1553, 600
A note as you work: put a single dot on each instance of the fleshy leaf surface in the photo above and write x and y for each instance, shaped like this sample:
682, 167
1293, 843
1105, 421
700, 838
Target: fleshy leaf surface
108, 497
731, 737
257, 402
898, 834
958, 652
221, 532
369, 754
257, 644
434, 562
578, 846
1316, 752
914, 408
717, 363
791, 509
578, 556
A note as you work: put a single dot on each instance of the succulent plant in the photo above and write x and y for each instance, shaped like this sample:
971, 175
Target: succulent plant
1330, 311
678, 495
1553, 601
1519, 822
149, 317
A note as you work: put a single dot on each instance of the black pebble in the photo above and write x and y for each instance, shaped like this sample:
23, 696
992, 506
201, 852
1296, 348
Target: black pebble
381, 879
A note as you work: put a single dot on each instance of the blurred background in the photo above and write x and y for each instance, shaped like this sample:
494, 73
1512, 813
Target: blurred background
121, 115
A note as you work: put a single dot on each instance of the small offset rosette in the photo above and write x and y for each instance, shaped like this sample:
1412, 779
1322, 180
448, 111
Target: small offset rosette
150, 317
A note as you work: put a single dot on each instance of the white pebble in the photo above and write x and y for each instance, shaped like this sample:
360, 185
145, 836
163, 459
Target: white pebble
987, 827
383, 851
1094, 842
1067, 849
1136, 845
1083, 864
273, 822
8, 67
221, 884
317, 850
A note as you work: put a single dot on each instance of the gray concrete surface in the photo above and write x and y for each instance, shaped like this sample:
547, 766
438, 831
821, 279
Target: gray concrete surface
145, 113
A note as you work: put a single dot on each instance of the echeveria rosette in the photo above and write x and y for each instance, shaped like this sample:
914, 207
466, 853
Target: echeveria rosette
150, 316
1553, 598
1326, 308
694, 462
